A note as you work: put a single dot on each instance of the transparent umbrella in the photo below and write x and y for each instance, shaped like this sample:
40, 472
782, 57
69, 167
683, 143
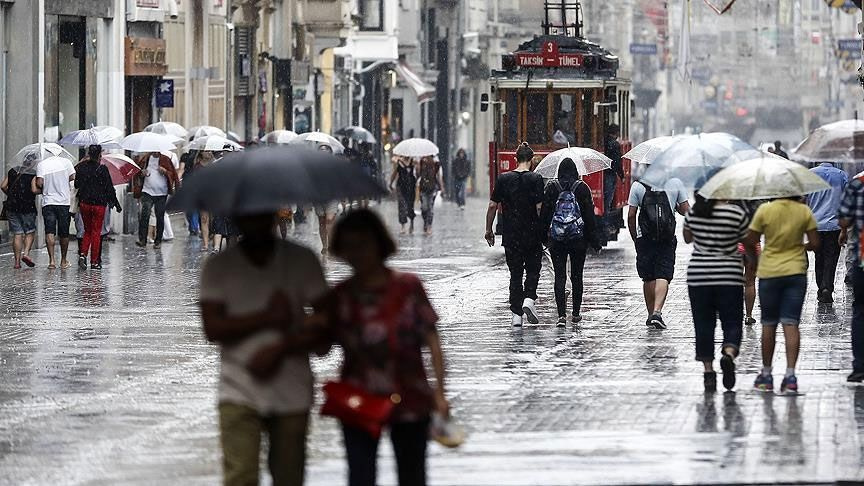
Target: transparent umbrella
316, 139
359, 134
168, 128
647, 151
588, 161
214, 143
841, 141
765, 176
205, 130
90, 136
278, 137
29, 157
693, 159
415, 147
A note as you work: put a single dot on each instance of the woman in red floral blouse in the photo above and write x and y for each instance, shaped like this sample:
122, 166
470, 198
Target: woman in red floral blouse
382, 319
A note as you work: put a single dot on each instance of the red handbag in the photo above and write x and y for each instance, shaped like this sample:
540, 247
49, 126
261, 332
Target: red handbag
355, 406
358, 408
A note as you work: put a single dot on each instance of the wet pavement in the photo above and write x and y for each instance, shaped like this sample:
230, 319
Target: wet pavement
105, 378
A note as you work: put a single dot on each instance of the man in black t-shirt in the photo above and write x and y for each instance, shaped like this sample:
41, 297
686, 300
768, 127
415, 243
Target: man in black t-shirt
21, 213
519, 195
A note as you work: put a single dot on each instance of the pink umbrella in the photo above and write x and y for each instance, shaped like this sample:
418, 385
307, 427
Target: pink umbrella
121, 168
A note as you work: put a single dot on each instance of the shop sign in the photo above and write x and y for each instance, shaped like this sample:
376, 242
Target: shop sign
145, 56
643, 49
165, 93
849, 48
549, 57
147, 3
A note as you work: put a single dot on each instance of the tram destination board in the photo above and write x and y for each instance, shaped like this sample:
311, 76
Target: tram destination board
549, 57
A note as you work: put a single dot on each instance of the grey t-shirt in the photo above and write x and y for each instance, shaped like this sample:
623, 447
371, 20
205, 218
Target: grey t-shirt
676, 193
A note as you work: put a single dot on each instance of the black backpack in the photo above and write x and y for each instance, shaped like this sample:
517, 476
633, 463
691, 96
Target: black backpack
656, 218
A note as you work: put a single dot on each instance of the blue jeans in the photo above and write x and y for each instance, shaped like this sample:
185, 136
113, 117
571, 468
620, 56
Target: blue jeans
858, 318
610, 180
194, 221
151, 203
461, 186
781, 299
427, 207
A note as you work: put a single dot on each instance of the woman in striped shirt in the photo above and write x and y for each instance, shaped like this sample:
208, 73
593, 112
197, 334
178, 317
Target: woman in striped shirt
715, 280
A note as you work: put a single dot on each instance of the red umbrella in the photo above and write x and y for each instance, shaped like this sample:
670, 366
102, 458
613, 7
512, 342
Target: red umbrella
121, 168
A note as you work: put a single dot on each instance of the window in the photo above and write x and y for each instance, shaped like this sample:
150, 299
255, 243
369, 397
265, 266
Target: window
371, 14
537, 115
511, 127
564, 123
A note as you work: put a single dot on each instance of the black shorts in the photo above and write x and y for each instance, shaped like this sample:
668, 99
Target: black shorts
655, 259
57, 219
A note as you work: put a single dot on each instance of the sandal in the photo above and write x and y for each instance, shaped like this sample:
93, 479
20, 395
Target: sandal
28, 261
66, 265
17, 266
52, 266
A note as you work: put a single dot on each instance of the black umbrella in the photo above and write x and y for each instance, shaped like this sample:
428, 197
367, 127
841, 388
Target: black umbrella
359, 134
271, 178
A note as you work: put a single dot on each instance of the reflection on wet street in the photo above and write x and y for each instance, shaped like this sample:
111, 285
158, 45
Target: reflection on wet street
105, 378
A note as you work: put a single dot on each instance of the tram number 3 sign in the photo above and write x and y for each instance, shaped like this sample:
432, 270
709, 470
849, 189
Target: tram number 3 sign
550, 57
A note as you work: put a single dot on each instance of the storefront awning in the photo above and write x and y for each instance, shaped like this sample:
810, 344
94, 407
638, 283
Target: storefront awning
423, 90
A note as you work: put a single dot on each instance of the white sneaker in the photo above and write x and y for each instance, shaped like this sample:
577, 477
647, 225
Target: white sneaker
530, 313
517, 320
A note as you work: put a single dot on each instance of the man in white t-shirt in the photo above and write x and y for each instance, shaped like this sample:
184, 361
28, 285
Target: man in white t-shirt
158, 179
53, 177
655, 240
253, 294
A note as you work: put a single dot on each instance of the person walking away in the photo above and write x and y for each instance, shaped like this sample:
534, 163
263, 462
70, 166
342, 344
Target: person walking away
158, 179
461, 172
369, 165
851, 219
21, 212
715, 283
612, 149
204, 159
782, 272
824, 206
655, 240
53, 178
518, 195
252, 295
568, 213
326, 215
95, 194
187, 168
429, 183
404, 180
778, 150
382, 320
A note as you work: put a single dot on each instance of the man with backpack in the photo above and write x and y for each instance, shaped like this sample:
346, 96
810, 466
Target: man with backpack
568, 213
655, 240
518, 195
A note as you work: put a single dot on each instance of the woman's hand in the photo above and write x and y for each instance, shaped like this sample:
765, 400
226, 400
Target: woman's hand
442, 406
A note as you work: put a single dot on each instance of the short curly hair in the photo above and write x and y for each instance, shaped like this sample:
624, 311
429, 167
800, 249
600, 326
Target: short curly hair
362, 221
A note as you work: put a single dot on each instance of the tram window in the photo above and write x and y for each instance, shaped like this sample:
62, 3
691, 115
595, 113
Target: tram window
564, 111
585, 138
537, 108
511, 130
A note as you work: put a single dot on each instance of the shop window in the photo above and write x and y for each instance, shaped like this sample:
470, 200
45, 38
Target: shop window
371, 14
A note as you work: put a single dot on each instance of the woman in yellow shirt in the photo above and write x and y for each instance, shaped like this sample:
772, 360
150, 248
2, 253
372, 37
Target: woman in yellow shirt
782, 272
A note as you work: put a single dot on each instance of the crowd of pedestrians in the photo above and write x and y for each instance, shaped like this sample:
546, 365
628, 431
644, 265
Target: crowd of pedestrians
734, 243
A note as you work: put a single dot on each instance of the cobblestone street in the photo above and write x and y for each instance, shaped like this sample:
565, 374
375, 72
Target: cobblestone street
106, 378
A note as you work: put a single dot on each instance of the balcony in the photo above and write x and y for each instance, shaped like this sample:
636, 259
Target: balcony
328, 18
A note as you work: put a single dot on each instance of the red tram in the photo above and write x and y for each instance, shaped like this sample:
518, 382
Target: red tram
559, 90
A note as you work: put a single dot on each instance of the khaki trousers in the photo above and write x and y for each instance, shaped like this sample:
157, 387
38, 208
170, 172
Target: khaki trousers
240, 428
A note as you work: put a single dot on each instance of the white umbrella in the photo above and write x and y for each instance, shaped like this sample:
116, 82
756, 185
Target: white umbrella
205, 130
214, 143
588, 161
168, 128
143, 142
233, 136
841, 141
318, 139
89, 136
55, 164
29, 157
647, 151
279, 137
765, 176
109, 133
415, 147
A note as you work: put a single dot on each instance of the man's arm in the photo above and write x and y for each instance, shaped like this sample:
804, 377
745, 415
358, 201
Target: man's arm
491, 212
221, 328
683, 208
4, 186
631, 222
36, 185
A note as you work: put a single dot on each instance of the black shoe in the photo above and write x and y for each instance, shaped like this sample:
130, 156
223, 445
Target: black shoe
82, 262
141, 244
855, 377
727, 364
656, 321
710, 380
825, 296
96, 266
157, 245
576, 319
